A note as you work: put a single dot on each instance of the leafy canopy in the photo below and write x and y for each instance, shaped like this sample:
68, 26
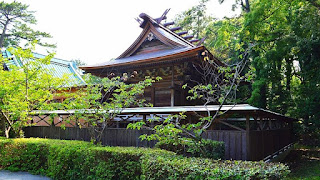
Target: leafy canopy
27, 88
15, 22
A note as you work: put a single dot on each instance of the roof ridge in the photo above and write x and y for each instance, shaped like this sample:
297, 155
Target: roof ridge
53, 57
142, 15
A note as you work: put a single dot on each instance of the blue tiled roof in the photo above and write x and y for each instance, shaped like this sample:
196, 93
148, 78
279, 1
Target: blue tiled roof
58, 67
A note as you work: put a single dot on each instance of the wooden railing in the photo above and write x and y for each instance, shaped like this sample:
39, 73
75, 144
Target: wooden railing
279, 155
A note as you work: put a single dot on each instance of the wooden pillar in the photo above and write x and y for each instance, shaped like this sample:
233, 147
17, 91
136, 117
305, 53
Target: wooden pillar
172, 87
248, 137
153, 96
117, 124
263, 140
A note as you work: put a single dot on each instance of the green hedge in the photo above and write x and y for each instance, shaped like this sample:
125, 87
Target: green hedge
198, 168
187, 147
81, 160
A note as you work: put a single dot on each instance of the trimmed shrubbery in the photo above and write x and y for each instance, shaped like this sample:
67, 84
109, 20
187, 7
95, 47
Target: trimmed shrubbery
206, 148
81, 160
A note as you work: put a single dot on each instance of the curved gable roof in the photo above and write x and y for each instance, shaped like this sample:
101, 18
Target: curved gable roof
155, 42
165, 35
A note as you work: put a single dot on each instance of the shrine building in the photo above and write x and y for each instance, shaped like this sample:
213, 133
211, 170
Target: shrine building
249, 133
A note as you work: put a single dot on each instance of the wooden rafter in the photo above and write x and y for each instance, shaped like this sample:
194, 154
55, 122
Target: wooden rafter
168, 24
232, 126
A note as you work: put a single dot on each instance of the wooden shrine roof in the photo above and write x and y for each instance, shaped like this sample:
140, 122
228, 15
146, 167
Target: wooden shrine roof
149, 57
156, 41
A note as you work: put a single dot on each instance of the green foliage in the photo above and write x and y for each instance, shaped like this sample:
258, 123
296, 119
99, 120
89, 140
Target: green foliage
24, 89
82, 160
286, 60
102, 99
206, 148
218, 86
15, 21
24, 156
174, 134
304, 162
177, 167
195, 19
284, 40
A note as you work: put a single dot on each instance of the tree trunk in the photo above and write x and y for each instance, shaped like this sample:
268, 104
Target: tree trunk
7, 131
6, 124
245, 6
2, 125
3, 33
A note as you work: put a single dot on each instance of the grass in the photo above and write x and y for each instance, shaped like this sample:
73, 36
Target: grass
304, 163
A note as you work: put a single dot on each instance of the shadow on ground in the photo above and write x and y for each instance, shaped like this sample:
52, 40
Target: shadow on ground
304, 163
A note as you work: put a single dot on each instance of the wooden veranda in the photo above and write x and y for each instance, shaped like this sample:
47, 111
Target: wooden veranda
249, 133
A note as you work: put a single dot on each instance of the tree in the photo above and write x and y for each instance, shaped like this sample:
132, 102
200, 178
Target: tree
285, 60
25, 89
15, 21
218, 85
244, 4
97, 104
284, 38
195, 19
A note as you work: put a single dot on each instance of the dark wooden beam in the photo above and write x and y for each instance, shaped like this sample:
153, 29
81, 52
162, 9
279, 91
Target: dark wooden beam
168, 24
188, 37
175, 28
232, 126
201, 41
172, 84
248, 137
153, 96
182, 33
138, 20
194, 40
164, 16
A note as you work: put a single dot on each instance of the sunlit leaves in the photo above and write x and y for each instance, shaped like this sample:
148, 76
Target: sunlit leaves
102, 99
27, 88
15, 21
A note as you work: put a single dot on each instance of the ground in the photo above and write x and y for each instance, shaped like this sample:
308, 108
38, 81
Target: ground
7, 175
304, 163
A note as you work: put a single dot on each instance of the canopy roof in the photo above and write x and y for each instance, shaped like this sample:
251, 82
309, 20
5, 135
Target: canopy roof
58, 67
239, 108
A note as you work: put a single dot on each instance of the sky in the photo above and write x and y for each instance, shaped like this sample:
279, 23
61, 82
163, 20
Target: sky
96, 31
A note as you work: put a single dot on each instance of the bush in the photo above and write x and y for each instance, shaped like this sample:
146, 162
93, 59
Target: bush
60, 159
82, 160
176, 167
206, 148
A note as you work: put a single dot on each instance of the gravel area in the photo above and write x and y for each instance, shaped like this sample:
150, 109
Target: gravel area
7, 175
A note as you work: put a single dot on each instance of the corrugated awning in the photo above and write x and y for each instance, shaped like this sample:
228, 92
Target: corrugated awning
239, 108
